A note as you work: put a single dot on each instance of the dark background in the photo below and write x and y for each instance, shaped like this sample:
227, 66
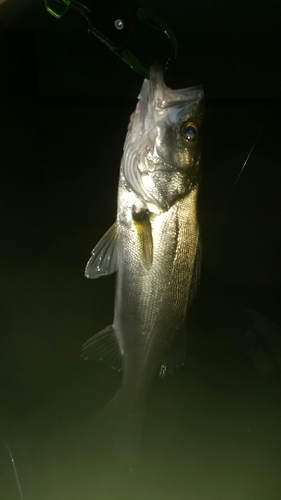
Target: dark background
65, 106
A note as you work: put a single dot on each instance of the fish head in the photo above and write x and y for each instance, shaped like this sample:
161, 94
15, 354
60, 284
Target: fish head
162, 151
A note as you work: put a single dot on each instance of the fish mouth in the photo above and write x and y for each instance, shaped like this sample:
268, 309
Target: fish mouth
163, 97
142, 162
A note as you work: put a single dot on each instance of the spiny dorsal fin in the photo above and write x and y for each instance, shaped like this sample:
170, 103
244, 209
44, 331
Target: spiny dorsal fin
104, 258
104, 347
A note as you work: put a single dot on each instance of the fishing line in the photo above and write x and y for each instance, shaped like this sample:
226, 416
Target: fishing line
249, 154
14, 467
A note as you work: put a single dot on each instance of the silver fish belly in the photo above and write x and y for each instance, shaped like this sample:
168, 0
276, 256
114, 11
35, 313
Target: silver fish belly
155, 243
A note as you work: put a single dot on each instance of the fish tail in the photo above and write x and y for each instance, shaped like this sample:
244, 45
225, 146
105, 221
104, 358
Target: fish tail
123, 428
111, 442
117, 428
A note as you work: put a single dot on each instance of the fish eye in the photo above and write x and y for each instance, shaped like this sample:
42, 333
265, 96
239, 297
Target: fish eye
190, 131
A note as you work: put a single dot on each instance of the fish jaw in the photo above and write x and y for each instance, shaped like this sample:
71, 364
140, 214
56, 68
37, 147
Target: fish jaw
155, 152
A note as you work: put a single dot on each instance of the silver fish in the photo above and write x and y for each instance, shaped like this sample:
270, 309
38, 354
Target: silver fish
154, 244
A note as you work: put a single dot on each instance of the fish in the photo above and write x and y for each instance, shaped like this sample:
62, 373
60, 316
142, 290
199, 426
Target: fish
154, 245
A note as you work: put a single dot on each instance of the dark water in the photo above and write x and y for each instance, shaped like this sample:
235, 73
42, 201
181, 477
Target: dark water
213, 428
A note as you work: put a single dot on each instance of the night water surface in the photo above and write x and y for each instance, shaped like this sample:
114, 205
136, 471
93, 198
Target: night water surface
212, 430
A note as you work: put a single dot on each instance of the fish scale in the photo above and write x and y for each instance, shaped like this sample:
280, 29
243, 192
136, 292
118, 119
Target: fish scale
154, 245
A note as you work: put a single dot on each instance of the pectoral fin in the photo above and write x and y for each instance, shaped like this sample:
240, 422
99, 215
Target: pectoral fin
104, 347
144, 235
104, 258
